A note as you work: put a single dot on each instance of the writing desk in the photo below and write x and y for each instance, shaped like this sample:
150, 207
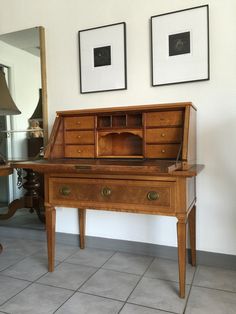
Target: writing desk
139, 159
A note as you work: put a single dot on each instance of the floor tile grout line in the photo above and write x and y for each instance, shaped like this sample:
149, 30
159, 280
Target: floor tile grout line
150, 265
216, 289
51, 286
152, 308
151, 261
64, 302
20, 260
190, 289
33, 282
59, 262
16, 278
30, 284
99, 296
77, 290
95, 271
26, 256
99, 268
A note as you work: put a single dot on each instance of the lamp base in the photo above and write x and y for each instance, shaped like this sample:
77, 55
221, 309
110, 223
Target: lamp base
2, 160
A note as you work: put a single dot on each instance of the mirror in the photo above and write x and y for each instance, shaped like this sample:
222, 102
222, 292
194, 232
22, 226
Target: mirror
22, 56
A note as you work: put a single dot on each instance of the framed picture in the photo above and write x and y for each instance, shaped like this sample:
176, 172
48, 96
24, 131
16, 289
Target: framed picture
102, 57
180, 46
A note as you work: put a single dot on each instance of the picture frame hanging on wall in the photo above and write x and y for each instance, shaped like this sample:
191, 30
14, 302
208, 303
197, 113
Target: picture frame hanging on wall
102, 58
180, 46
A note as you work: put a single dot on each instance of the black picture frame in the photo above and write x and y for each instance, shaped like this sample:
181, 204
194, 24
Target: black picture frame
188, 65
102, 58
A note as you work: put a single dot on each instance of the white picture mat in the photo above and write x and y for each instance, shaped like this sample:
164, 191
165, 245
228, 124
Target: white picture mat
186, 67
103, 77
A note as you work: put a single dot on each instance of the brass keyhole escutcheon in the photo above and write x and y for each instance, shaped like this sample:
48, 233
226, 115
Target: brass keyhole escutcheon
65, 190
105, 191
153, 196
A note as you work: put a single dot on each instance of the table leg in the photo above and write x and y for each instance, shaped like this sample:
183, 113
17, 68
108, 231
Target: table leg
82, 224
12, 208
192, 231
50, 227
181, 234
0, 248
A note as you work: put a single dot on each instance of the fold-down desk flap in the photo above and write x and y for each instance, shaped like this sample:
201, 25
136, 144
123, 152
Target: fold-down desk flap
137, 167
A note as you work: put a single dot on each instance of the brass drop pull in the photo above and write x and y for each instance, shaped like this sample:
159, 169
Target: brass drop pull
78, 122
163, 134
163, 151
153, 196
79, 151
105, 191
78, 136
65, 190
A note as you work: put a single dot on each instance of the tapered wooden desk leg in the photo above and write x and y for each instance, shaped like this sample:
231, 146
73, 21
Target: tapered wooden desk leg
82, 224
192, 231
181, 234
50, 227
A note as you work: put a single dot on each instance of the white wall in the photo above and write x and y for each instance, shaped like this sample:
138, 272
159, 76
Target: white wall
215, 100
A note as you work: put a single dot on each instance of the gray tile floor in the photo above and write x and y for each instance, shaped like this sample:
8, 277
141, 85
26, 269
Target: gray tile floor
93, 281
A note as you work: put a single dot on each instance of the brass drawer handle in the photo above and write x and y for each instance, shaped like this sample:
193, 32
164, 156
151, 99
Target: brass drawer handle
153, 196
105, 191
65, 190
163, 151
163, 135
79, 151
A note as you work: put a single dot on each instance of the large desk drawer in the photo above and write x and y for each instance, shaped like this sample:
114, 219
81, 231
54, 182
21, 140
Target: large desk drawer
123, 195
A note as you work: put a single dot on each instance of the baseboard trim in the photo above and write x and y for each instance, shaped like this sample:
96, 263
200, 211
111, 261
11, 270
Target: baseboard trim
156, 250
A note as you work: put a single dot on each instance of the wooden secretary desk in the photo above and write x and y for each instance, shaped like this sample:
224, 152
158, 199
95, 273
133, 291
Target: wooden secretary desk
139, 159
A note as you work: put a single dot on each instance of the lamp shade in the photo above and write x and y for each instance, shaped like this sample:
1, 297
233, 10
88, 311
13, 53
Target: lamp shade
38, 112
7, 105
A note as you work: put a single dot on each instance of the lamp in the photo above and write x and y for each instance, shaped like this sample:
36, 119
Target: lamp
7, 105
38, 112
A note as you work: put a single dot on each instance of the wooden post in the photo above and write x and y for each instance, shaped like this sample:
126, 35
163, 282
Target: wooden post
50, 227
181, 234
192, 231
82, 225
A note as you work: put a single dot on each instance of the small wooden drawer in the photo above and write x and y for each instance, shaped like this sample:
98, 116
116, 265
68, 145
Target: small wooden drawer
77, 151
162, 151
120, 195
164, 118
164, 135
79, 137
80, 122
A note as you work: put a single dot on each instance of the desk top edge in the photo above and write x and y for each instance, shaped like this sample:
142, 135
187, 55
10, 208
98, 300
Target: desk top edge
177, 105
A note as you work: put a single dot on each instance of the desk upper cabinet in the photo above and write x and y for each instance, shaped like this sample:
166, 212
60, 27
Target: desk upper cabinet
137, 132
